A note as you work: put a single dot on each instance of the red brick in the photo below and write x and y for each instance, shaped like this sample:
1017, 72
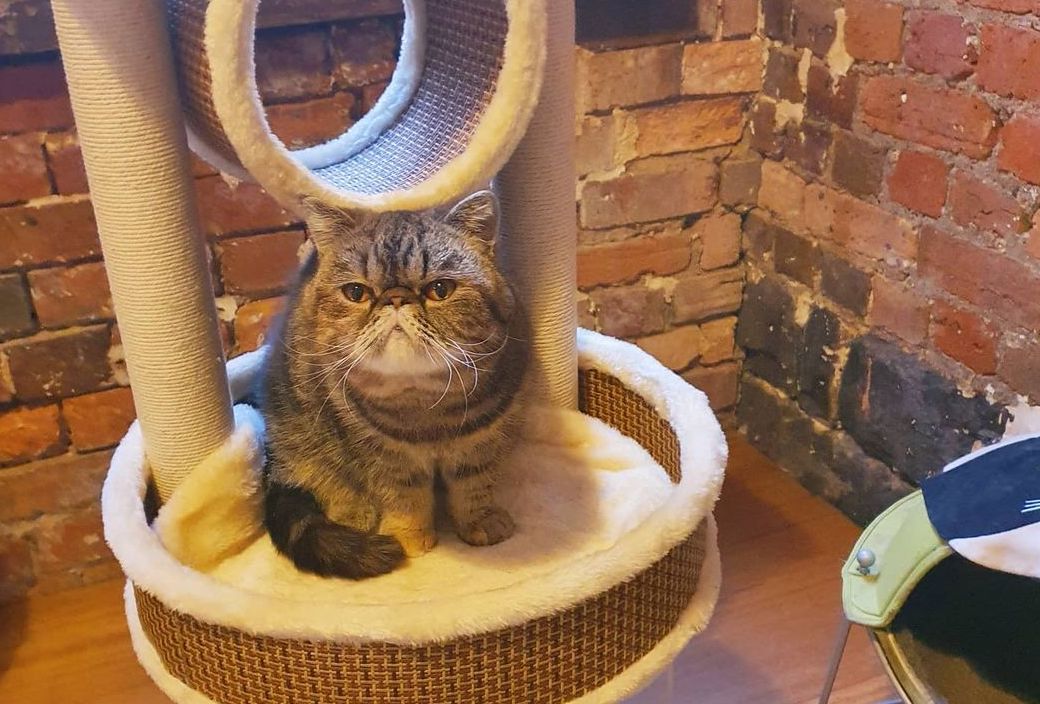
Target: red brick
584, 313
689, 126
782, 193
719, 340
858, 164
862, 227
67, 295
739, 180
990, 280
939, 43
59, 364
1008, 60
719, 234
65, 577
29, 433
1018, 7
1020, 147
626, 261
767, 138
313, 122
918, 181
829, 98
292, 63
676, 349
245, 207
796, 256
33, 97
252, 321
630, 311
52, 486
259, 264
15, 310
900, 310
651, 189
100, 419
719, 383
873, 30
46, 233
370, 94
965, 337
739, 17
781, 79
69, 539
65, 159
363, 52
702, 296
23, 171
1020, 367
814, 25
974, 203
809, 145
935, 117
16, 567
722, 67
596, 144
627, 77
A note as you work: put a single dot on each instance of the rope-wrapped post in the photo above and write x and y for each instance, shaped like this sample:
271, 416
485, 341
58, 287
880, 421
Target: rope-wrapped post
539, 238
124, 96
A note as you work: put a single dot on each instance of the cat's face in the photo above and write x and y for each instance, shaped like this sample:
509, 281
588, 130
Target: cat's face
411, 293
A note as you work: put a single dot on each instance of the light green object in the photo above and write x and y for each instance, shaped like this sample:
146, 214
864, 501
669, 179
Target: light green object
891, 556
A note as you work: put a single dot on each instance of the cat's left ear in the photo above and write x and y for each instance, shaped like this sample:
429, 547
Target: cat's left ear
328, 224
476, 215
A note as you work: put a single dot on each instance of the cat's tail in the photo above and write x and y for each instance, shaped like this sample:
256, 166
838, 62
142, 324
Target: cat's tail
303, 533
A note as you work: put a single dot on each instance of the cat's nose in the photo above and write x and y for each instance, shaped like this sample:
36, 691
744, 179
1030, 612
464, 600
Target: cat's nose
397, 301
397, 296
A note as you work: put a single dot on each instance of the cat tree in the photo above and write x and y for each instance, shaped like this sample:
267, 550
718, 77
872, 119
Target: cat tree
483, 91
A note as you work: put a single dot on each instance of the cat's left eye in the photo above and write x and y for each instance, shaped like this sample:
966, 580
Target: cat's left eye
439, 290
357, 293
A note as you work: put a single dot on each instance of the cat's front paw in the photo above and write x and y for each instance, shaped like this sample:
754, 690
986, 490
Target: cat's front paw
417, 542
487, 528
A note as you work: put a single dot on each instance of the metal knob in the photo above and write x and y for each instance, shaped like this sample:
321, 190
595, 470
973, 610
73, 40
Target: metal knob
866, 559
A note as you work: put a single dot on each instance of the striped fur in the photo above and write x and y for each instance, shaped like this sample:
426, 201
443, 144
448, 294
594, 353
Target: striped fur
369, 403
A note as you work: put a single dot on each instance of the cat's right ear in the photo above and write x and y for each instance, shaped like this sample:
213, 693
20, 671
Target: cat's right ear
328, 224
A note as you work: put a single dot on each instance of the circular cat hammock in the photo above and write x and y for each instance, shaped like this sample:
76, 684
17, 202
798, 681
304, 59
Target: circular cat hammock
620, 586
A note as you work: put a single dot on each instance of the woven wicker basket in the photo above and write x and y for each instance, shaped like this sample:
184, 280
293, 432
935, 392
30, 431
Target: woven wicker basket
597, 649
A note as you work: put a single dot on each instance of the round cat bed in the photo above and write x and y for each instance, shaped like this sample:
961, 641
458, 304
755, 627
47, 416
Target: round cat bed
466, 84
613, 568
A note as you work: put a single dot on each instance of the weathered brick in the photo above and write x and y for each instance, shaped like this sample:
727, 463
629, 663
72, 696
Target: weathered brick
627, 260
99, 419
828, 98
858, 165
583, 312
919, 181
719, 234
739, 18
781, 77
65, 363
766, 137
796, 256
873, 30
252, 321
809, 146
73, 538
16, 565
907, 415
816, 362
245, 207
312, 122
844, 284
782, 193
965, 336
1008, 60
759, 236
68, 295
630, 311
873, 486
719, 340
52, 486
701, 296
1020, 147
722, 67
976, 204
719, 383
651, 189
23, 171
1020, 367
49, 232
597, 144
33, 97
1018, 7
627, 77
363, 52
259, 264
990, 280
689, 126
15, 311
768, 333
676, 349
64, 577
29, 433
862, 227
814, 25
939, 43
899, 309
935, 117
370, 94
65, 160
292, 63
739, 179
777, 17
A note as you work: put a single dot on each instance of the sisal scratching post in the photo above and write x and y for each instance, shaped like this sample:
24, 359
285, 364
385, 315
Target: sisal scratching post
125, 99
537, 192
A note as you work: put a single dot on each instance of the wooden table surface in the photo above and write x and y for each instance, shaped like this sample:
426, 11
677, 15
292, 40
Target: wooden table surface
769, 642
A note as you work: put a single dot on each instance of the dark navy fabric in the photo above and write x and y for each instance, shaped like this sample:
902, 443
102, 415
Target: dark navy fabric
987, 494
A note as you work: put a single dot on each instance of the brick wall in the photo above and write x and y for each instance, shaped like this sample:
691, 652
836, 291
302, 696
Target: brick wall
665, 173
893, 265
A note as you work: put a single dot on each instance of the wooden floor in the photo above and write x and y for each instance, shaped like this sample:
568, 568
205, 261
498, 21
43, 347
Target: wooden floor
768, 644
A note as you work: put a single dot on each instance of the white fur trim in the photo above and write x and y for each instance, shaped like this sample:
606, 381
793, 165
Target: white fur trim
691, 622
229, 42
331, 609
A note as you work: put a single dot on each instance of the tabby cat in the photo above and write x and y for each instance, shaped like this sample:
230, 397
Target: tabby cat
397, 368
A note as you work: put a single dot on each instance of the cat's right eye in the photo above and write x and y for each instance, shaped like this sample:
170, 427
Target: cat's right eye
357, 293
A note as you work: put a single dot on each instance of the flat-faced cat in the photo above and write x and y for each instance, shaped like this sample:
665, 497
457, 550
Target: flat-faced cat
399, 362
